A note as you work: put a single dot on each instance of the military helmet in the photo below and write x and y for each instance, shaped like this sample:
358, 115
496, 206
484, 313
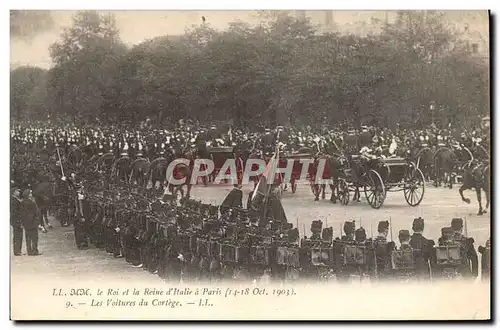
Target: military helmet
404, 235
446, 231
349, 227
327, 234
316, 226
360, 234
457, 224
383, 226
418, 224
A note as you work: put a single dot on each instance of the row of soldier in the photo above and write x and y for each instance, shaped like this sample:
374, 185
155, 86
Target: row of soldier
153, 141
192, 242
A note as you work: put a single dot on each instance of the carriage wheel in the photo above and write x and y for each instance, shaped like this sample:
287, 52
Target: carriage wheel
414, 186
374, 189
343, 192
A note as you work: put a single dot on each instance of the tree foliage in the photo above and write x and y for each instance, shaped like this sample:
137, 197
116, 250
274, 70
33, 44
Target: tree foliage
28, 87
279, 72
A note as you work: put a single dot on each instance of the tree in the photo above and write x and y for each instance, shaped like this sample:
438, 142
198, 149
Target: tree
278, 72
27, 92
86, 64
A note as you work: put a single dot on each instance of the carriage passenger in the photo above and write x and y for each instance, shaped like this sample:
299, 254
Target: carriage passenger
367, 153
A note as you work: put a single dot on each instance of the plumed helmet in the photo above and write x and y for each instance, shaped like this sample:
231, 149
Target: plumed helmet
383, 226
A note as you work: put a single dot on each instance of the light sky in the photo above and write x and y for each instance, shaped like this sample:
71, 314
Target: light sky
136, 26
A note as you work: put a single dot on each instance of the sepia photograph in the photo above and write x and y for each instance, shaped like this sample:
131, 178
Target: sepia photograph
250, 165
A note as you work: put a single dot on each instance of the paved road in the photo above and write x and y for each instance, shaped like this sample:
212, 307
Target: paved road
438, 207
61, 259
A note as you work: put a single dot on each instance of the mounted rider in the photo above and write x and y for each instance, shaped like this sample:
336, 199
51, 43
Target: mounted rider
423, 139
267, 142
440, 141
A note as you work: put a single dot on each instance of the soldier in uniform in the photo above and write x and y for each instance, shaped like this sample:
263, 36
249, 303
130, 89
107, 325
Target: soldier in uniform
15, 220
233, 200
423, 251
404, 240
68, 200
30, 220
132, 239
360, 235
382, 250
485, 260
443, 266
82, 219
342, 270
446, 237
467, 246
440, 141
267, 142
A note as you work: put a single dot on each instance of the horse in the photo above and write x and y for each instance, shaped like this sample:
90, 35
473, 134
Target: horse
181, 172
332, 170
138, 171
255, 167
43, 193
477, 176
481, 152
444, 163
121, 169
424, 159
191, 155
157, 171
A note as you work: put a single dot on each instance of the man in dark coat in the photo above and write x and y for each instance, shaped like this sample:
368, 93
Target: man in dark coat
423, 249
30, 220
82, 219
467, 245
485, 260
15, 220
232, 200
382, 249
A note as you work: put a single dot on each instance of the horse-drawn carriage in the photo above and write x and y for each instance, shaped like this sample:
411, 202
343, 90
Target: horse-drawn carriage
298, 167
219, 156
379, 176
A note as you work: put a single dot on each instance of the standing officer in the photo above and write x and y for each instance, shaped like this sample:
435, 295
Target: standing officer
30, 220
82, 220
423, 249
15, 220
